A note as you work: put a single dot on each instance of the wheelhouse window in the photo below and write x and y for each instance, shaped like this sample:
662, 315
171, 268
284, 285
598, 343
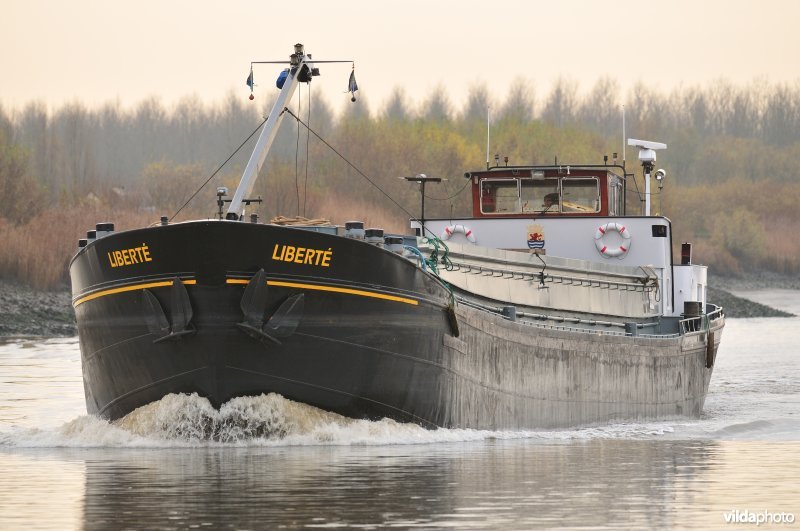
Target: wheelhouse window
580, 195
499, 196
539, 195
552, 195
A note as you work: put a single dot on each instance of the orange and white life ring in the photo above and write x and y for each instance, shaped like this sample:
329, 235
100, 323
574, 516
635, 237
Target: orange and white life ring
613, 251
463, 229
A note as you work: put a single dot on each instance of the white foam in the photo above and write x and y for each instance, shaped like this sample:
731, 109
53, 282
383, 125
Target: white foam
181, 420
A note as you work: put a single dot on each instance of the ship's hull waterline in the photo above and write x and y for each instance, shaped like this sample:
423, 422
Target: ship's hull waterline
226, 309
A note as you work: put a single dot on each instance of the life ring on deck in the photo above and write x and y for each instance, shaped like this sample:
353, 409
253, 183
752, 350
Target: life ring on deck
463, 229
617, 251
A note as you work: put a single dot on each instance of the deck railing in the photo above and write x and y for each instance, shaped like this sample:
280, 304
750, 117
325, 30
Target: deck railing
593, 326
701, 323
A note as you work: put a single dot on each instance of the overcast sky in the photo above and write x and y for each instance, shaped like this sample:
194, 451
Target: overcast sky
96, 51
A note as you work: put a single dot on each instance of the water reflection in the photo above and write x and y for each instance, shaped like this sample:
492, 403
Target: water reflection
509, 484
41, 489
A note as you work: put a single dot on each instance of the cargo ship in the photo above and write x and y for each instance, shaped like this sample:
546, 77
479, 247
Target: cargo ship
550, 306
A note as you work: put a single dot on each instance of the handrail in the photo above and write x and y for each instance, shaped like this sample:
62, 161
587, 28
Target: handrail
573, 320
549, 277
504, 261
698, 323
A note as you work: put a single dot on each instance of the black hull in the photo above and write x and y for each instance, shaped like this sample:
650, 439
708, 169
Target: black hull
345, 355
372, 338
343, 359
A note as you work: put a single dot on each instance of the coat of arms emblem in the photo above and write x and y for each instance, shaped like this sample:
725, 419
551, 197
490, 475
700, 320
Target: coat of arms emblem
536, 239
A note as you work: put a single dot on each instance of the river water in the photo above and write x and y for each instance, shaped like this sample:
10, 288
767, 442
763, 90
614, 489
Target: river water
158, 469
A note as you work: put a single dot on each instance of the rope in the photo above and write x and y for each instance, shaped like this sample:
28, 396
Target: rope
300, 221
361, 173
297, 155
220, 167
433, 261
308, 137
423, 263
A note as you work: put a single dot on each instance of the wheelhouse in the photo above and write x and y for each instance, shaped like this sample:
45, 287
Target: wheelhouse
548, 191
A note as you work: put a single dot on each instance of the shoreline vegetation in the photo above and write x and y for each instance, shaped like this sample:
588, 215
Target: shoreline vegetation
27, 312
731, 187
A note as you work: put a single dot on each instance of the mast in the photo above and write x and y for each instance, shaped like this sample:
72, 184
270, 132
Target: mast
647, 155
300, 70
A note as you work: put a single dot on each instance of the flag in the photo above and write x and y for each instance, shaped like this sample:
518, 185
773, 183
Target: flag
352, 86
250, 80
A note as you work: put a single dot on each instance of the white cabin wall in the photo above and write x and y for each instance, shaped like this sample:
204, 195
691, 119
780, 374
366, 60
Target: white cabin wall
567, 237
691, 284
575, 238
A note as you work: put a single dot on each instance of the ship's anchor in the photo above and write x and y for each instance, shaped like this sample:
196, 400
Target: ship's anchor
281, 324
181, 312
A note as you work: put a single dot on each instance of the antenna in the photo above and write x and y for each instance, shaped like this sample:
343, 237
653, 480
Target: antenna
623, 136
421, 178
488, 132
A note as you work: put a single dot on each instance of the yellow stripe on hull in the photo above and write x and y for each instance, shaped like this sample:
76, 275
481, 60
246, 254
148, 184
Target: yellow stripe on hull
334, 289
278, 283
132, 287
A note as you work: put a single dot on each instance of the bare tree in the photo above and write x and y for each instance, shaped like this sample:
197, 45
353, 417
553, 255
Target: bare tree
519, 103
437, 107
397, 107
782, 116
601, 108
561, 104
478, 101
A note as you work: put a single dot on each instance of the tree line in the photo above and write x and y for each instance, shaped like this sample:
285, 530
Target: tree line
145, 161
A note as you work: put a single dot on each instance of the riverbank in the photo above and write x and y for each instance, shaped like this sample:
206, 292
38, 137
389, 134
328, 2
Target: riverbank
756, 280
28, 312
738, 307
720, 288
